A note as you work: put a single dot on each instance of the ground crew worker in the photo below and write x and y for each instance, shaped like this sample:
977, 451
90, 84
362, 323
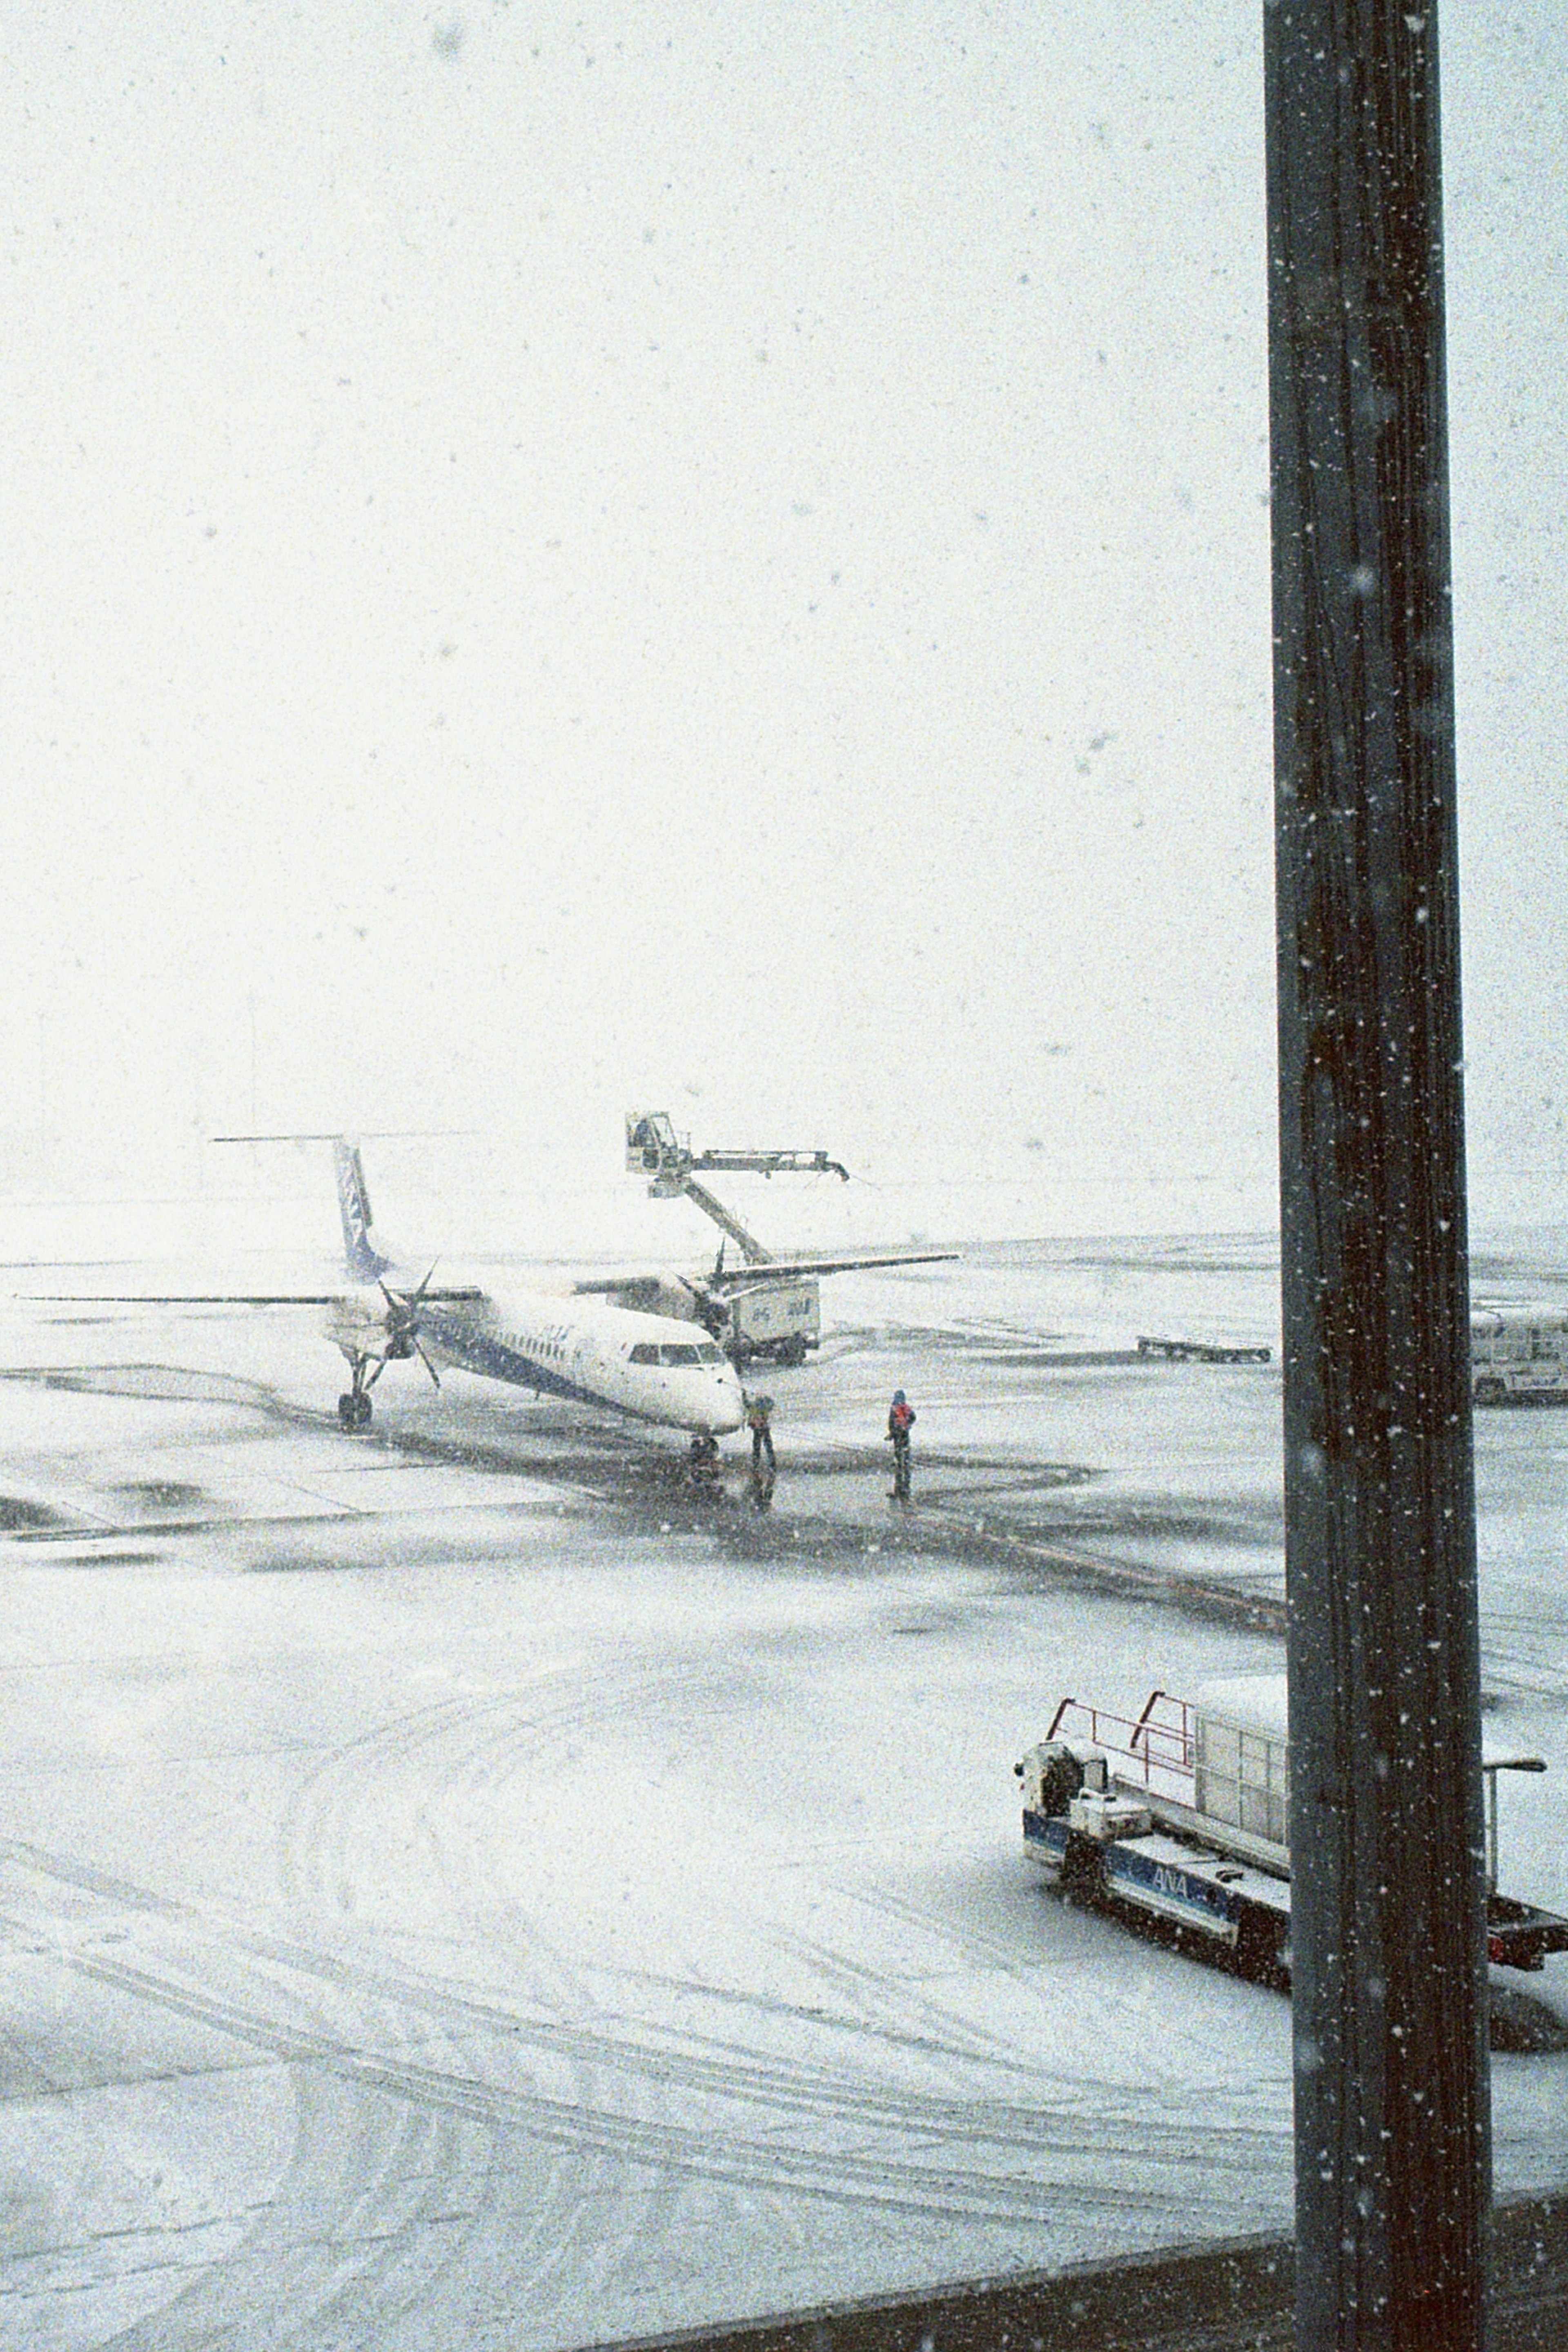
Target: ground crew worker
759, 1417
900, 1420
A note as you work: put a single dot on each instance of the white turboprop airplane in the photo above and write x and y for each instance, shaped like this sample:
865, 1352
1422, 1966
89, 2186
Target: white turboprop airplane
648, 1367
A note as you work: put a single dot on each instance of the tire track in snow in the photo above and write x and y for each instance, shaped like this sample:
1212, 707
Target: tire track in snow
716, 2153
377, 2192
499, 1738
981, 2159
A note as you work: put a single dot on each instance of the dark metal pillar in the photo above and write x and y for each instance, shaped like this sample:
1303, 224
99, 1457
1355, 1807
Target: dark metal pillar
1392, 2139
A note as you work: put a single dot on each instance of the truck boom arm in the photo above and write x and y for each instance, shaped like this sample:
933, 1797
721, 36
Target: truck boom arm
654, 1150
752, 1249
773, 1163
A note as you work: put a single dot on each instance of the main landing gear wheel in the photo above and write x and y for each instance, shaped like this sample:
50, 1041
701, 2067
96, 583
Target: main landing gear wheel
353, 1409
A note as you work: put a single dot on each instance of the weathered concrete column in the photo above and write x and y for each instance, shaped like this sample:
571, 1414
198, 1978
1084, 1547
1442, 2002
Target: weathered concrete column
1392, 2136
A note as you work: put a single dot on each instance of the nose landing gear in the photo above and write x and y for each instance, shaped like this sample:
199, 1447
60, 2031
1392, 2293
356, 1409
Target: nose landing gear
353, 1405
400, 1343
704, 1457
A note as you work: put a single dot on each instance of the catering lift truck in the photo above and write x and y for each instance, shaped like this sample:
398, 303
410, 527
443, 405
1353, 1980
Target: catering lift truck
1180, 1817
753, 1312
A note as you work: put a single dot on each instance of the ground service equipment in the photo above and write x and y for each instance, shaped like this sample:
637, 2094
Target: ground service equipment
1180, 1816
767, 1305
775, 1314
1203, 1351
1520, 1356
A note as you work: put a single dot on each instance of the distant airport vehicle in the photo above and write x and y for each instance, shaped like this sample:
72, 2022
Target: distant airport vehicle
1519, 1355
1182, 1817
648, 1367
767, 1305
1204, 1351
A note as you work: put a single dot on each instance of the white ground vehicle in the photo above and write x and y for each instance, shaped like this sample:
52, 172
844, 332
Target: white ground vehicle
1180, 1816
767, 1305
777, 1319
1519, 1354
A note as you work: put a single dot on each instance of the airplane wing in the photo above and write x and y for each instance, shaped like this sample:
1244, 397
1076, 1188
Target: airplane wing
734, 1278
638, 1287
218, 1298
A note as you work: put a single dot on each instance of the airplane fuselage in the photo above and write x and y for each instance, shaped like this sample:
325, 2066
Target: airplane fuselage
649, 1368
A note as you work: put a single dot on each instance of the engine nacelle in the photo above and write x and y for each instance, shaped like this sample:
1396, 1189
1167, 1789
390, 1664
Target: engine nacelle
360, 1323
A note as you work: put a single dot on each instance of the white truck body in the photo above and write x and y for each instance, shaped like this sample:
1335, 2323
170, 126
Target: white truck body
781, 1316
1519, 1355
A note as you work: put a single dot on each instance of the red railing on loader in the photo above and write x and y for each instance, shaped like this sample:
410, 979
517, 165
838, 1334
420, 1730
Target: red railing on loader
1159, 1746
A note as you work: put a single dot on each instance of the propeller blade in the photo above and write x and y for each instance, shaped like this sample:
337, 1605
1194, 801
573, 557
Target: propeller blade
407, 1302
403, 1317
427, 1364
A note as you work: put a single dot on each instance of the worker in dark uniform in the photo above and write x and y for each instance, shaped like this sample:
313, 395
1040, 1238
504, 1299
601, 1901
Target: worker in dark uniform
759, 1421
900, 1420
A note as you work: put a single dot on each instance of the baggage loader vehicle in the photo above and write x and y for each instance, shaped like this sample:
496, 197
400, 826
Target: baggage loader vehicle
1181, 1817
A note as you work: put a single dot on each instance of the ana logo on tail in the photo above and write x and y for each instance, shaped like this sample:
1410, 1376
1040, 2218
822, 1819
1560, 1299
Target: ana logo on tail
365, 1263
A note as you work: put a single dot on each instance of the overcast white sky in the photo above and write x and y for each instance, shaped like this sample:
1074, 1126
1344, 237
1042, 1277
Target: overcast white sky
711, 556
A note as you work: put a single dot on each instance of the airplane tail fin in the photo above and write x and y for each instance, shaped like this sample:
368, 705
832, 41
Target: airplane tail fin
363, 1255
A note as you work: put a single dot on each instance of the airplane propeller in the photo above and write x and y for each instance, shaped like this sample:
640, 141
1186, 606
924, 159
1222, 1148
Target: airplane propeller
403, 1323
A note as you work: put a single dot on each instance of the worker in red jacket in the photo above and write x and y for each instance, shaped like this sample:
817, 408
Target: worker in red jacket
900, 1420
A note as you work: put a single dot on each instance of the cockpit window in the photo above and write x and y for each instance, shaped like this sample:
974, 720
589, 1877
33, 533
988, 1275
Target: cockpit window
707, 1353
644, 1352
679, 1356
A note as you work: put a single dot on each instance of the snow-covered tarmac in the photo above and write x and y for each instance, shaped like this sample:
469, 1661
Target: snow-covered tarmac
460, 1888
